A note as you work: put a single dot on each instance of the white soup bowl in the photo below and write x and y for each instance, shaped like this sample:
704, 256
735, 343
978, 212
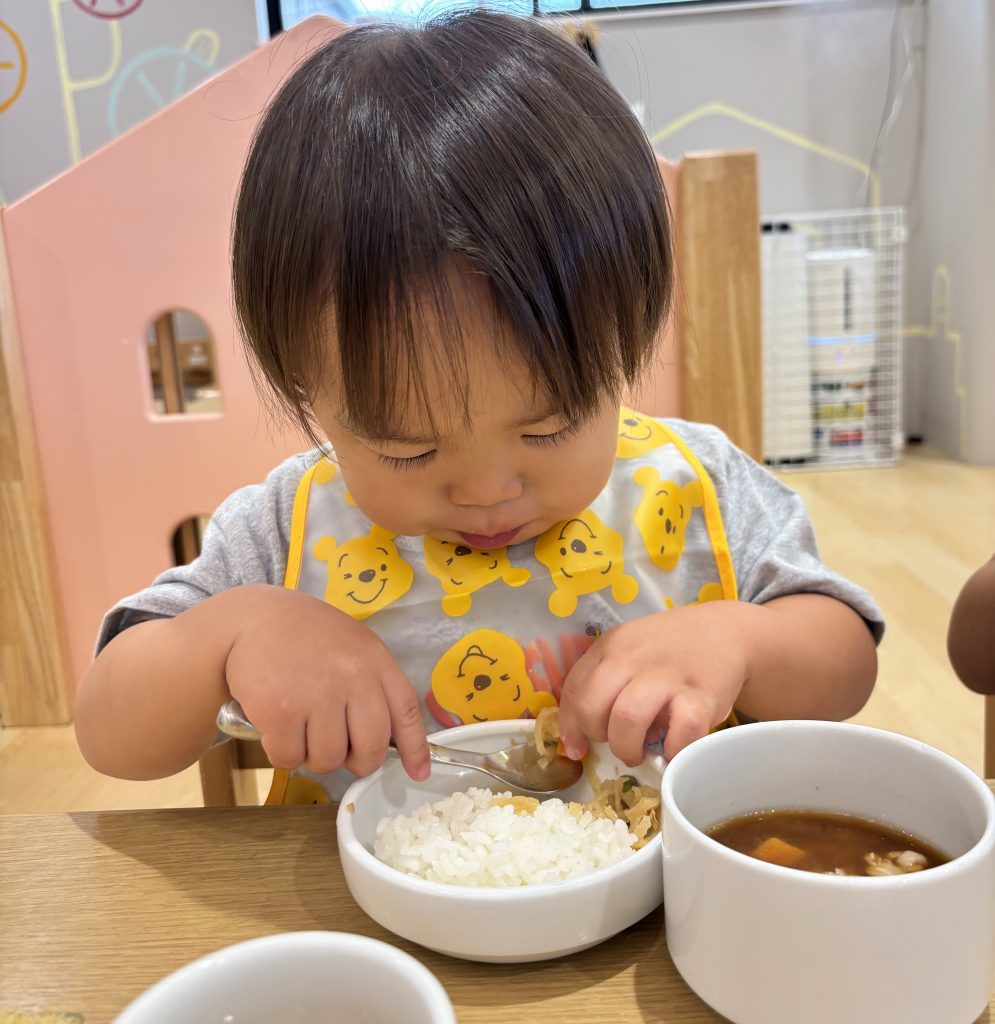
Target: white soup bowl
764, 944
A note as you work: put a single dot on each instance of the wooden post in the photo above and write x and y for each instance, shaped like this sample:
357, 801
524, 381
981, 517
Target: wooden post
35, 682
169, 364
174, 401
718, 295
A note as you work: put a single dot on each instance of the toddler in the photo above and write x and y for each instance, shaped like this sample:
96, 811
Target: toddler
451, 258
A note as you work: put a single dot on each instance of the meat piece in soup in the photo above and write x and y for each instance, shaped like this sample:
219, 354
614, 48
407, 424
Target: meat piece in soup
833, 844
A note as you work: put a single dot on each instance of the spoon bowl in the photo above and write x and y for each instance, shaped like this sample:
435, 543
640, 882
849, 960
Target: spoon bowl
516, 766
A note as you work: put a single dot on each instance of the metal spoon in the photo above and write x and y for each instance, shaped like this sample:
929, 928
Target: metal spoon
516, 766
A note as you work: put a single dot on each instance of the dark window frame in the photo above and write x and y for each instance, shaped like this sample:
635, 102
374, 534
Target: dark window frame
274, 9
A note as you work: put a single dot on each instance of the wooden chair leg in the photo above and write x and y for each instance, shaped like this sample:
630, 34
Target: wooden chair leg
990, 737
217, 777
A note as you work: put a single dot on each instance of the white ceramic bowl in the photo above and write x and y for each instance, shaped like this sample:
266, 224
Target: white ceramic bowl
506, 925
297, 978
770, 945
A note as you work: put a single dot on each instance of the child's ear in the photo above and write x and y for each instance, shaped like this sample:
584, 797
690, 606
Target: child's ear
379, 533
324, 548
694, 495
647, 476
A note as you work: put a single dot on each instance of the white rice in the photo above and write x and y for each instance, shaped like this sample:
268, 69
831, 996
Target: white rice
465, 839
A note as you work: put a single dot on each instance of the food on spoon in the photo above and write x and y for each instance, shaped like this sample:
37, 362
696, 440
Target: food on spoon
547, 736
622, 798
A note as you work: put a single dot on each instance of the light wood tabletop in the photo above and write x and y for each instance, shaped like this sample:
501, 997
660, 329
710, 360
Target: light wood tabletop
97, 906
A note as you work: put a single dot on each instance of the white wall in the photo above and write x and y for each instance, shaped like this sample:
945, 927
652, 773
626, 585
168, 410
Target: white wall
957, 229
820, 73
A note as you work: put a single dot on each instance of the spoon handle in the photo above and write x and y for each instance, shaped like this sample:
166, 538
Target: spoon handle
446, 755
232, 721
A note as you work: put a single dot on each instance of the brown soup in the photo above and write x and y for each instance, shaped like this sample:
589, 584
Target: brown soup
831, 844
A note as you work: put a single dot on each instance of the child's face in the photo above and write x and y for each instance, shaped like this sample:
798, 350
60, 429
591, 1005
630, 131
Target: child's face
505, 477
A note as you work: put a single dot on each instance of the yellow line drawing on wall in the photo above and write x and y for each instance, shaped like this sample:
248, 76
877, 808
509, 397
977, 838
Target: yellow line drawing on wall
11, 85
769, 128
70, 86
939, 329
213, 42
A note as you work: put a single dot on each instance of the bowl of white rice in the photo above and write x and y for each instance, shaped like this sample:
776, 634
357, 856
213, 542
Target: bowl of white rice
449, 863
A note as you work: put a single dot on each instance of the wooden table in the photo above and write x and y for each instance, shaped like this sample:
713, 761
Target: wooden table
95, 907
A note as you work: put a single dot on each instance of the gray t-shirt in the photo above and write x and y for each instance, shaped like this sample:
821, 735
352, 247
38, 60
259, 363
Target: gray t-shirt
770, 538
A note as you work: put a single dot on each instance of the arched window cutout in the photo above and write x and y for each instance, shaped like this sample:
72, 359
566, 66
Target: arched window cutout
188, 538
182, 365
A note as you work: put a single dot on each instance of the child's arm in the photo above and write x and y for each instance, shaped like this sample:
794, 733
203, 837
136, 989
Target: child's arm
681, 672
971, 637
321, 688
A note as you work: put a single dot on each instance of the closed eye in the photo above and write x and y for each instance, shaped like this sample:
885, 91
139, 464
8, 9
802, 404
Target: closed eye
553, 439
413, 462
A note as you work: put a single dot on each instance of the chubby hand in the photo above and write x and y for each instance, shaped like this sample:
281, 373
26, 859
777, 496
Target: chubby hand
676, 673
321, 688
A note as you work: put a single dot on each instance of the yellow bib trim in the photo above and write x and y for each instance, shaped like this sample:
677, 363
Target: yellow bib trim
295, 553
713, 519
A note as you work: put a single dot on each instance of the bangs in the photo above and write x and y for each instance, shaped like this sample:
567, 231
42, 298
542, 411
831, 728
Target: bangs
403, 174
401, 341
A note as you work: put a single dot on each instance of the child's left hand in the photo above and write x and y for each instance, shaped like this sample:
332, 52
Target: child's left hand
677, 673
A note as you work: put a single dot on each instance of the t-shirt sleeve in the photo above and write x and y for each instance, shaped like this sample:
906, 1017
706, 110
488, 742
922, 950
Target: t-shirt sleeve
246, 541
770, 535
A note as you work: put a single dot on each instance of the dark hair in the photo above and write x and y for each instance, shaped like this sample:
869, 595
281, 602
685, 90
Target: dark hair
477, 142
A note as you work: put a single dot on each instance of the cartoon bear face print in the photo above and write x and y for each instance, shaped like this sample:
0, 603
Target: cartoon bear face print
663, 514
365, 574
638, 434
462, 570
584, 555
483, 678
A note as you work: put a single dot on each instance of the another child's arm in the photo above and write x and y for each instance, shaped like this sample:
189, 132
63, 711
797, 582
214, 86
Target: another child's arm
971, 637
321, 688
681, 672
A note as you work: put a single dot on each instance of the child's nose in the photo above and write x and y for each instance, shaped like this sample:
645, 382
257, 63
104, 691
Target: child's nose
482, 490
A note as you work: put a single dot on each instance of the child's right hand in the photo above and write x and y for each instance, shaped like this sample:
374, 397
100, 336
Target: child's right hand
321, 688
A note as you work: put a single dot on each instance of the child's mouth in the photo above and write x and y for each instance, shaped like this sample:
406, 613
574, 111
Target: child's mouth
486, 543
